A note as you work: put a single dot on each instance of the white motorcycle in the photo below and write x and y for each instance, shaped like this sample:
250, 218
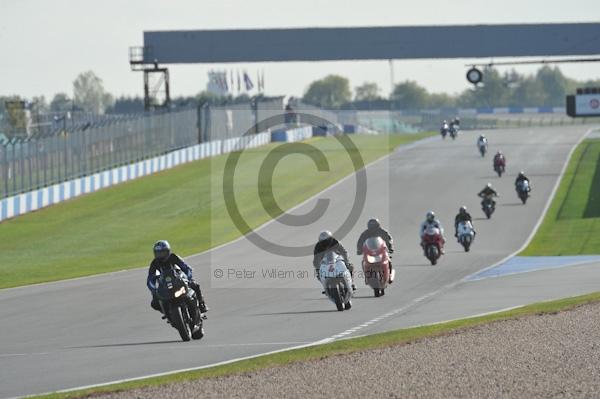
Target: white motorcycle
336, 280
466, 234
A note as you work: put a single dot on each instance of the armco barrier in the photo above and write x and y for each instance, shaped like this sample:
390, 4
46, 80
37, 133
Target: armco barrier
291, 135
33, 200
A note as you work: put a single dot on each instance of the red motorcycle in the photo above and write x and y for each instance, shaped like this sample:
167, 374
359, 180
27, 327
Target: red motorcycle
376, 265
432, 244
499, 164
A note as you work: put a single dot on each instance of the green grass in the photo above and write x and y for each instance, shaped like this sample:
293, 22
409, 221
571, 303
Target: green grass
114, 229
397, 337
572, 224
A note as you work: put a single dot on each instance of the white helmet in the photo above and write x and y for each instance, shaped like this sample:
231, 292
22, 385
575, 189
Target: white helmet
324, 235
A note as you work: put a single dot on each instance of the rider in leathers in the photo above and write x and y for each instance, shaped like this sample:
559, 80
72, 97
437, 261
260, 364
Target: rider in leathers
521, 177
328, 243
430, 220
462, 216
488, 193
164, 259
374, 229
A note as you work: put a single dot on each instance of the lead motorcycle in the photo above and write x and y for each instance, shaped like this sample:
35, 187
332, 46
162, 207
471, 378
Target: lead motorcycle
432, 244
465, 235
179, 304
376, 265
336, 280
523, 188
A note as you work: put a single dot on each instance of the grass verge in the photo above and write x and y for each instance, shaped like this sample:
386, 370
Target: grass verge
397, 337
572, 224
113, 229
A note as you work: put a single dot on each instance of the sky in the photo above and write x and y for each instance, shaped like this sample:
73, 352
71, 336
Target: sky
45, 44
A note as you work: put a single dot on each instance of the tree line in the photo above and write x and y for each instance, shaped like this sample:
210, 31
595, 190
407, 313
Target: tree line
547, 87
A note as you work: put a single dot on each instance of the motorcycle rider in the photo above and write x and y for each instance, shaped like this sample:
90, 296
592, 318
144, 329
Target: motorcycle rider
374, 229
482, 141
328, 243
488, 193
163, 260
444, 128
456, 121
520, 178
498, 158
430, 220
462, 216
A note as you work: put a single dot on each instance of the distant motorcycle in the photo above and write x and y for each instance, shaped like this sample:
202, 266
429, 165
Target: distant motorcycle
500, 166
444, 131
179, 304
482, 148
336, 280
523, 188
488, 206
376, 265
453, 131
432, 244
466, 234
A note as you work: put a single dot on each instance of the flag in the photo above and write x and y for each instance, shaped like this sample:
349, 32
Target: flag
248, 82
232, 84
239, 82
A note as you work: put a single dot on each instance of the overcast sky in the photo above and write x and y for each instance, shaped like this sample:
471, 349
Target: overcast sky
45, 44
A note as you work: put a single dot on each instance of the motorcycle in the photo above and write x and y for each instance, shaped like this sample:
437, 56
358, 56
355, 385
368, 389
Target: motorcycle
376, 265
523, 188
488, 206
453, 131
499, 166
336, 280
444, 131
432, 244
482, 148
466, 234
179, 304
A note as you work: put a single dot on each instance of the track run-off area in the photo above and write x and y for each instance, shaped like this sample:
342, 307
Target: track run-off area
100, 329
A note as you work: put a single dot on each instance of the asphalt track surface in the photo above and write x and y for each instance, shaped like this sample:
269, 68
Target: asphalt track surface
95, 330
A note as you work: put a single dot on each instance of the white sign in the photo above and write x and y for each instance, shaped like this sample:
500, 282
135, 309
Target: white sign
587, 104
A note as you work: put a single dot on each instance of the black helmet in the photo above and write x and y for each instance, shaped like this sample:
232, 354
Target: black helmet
462, 210
373, 224
162, 250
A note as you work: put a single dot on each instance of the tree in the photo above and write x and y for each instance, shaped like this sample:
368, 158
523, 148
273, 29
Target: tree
89, 93
331, 91
410, 95
368, 91
554, 85
60, 103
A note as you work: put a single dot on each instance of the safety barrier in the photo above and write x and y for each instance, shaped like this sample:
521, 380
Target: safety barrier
40, 198
291, 135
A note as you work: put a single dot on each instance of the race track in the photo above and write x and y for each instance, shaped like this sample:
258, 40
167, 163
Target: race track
100, 329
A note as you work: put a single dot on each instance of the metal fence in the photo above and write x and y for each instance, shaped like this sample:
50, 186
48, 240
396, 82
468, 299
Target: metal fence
80, 150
